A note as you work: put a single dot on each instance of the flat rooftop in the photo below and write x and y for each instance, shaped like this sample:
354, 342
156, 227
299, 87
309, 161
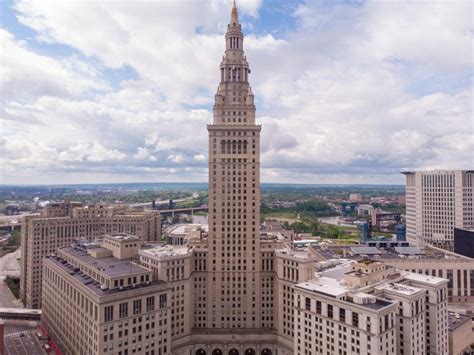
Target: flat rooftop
426, 279
92, 284
455, 320
400, 289
382, 253
325, 286
109, 266
165, 251
331, 287
122, 237
295, 253
186, 228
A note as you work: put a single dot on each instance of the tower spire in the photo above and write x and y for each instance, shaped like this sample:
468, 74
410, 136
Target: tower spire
234, 16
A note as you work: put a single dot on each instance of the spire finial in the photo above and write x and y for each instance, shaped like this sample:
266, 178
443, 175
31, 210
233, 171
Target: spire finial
234, 17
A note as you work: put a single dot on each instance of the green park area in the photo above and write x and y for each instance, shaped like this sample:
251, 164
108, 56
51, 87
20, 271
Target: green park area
304, 218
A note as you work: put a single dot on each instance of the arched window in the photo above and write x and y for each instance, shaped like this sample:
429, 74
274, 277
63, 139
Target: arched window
223, 147
228, 147
217, 352
266, 352
234, 147
239, 147
201, 352
245, 147
249, 352
233, 352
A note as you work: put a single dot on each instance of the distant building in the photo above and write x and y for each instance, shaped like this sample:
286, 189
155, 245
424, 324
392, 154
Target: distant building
355, 198
401, 200
365, 229
60, 223
364, 210
436, 203
401, 232
464, 242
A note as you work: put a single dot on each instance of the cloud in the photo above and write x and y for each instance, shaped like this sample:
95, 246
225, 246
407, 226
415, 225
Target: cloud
347, 92
200, 157
26, 75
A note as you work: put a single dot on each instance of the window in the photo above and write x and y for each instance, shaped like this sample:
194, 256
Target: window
150, 304
137, 307
109, 313
308, 304
318, 307
123, 310
355, 319
163, 300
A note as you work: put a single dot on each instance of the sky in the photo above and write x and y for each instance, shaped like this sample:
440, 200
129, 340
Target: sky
346, 91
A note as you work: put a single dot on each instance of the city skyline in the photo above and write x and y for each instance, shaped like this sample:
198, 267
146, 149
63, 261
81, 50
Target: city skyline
352, 92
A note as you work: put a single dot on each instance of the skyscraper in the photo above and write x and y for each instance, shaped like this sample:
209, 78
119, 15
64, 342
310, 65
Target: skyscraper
234, 198
436, 202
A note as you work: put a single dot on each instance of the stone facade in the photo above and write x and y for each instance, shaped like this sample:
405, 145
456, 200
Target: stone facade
436, 202
57, 226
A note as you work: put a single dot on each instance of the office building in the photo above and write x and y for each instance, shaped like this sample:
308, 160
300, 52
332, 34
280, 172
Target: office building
436, 203
367, 307
456, 268
464, 241
97, 300
60, 223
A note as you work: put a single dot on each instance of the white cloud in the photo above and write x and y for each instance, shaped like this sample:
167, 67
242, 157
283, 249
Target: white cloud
25, 75
176, 158
352, 92
200, 157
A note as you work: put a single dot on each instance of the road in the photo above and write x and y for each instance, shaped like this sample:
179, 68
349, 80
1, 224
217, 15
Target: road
9, 264
22, 342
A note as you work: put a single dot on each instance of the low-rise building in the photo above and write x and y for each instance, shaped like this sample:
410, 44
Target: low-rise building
98, 303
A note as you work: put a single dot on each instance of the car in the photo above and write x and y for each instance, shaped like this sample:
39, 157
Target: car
22, 334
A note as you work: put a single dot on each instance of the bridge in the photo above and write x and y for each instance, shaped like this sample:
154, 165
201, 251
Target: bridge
183, 210
20, 314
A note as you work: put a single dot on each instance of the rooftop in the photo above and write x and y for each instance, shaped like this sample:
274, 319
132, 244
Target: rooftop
122, 237
426, 279
384, 253
109, 266
92, 284
400, 289
295, 253
165, 251
455, 320
332, 287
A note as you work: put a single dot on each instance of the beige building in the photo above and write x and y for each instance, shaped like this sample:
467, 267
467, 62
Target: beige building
436, 202
59, 224
428, 260
234, 277
232, 288
98, 303
367, 307
461, 334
